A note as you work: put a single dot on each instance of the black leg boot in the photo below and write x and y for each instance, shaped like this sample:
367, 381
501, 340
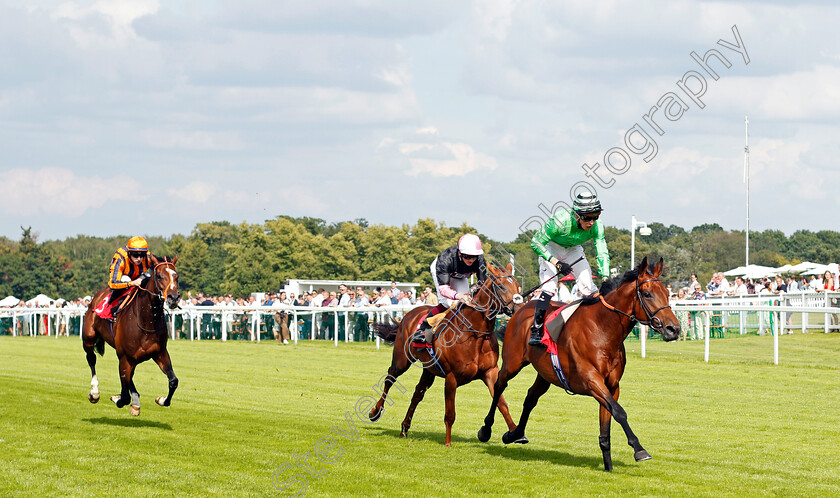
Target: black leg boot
539, 318
422, 332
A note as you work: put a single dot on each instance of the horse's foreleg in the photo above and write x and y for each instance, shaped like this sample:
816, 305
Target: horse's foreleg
425, 382
490, 378
539, 388
165, 364
503, 376
449, 414
608, 402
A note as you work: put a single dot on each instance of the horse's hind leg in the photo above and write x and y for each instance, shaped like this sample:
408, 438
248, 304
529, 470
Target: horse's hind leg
165, 364
128, 394
93, 395
517, 435
425, 382
399, 364
449, 415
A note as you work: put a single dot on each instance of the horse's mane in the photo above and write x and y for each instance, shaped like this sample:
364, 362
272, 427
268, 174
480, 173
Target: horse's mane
612, 284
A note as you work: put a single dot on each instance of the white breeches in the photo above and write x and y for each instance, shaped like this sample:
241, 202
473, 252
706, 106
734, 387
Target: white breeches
581, 270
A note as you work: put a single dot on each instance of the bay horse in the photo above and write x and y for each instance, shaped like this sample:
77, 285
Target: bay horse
138, 334
590, 351
466, 347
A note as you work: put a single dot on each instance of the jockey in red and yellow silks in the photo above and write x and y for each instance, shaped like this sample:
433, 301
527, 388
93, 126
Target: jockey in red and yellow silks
127, 267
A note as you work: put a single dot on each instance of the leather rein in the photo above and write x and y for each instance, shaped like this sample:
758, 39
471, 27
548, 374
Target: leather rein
652, 320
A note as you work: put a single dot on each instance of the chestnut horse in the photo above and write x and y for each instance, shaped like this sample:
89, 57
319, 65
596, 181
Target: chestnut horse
139, 333
466, 347
590, 351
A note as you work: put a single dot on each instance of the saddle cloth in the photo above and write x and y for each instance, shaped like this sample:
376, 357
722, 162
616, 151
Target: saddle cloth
554, 324
104, 308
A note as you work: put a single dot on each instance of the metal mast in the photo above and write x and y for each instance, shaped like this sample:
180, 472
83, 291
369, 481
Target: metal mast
747, 178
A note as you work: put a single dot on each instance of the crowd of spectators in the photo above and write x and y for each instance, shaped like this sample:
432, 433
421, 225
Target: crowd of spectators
344, 297
719, 285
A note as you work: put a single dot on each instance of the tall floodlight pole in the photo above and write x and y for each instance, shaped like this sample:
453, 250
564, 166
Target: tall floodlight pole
747, 179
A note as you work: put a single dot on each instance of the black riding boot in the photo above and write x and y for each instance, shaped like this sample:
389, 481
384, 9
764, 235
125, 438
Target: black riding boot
420, 337
539, 318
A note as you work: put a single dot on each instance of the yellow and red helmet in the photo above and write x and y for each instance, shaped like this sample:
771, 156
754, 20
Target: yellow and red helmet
137, 244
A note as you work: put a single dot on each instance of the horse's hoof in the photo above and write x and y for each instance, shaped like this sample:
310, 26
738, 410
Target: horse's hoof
508, 437
522, 440
484, 434
134, 410
93, 398
374, 416
402, 433
642, 455
116, 399
161, 401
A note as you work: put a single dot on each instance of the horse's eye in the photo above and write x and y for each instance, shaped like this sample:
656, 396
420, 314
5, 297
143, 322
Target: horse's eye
647, 294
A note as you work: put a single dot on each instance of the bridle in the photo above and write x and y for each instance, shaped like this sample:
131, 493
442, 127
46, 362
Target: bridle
158, 296
652, 320
158, 293
504, 306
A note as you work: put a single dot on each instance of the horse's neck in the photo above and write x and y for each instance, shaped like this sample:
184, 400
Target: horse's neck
619, 325
485, 304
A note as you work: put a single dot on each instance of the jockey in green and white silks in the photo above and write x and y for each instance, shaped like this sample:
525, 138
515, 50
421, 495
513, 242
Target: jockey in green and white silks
558, 243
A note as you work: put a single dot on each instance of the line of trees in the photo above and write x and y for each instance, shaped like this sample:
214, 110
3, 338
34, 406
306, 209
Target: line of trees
220, 257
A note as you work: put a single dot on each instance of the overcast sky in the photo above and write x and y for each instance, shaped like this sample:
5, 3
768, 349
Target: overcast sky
147, 117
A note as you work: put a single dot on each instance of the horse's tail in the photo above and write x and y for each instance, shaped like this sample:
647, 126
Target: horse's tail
387, 328
100, 345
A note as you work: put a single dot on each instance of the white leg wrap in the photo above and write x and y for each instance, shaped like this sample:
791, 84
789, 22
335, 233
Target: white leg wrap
135, 399
94, 385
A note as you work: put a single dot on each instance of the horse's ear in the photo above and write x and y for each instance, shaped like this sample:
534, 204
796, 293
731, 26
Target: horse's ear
509, 268
643, 265
657, 270
154, 260
174, 259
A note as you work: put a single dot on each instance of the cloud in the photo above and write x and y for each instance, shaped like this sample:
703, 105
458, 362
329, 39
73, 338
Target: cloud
426, 153
196, 192
214, 195
802, 95
58, 191
192, 140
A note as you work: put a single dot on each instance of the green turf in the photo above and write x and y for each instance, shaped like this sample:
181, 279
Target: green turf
735, 426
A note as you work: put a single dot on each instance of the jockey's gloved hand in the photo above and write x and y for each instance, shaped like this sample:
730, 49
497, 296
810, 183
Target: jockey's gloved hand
465, 299
563, 268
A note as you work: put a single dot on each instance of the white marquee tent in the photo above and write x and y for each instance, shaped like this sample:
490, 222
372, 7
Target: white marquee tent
9, 301
40, 300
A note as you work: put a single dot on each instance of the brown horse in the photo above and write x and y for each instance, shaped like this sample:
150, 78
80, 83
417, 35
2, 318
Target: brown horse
590, 351
139, 333
466, 347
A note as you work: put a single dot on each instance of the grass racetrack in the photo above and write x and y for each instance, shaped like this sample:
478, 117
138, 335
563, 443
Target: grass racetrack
735, 426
